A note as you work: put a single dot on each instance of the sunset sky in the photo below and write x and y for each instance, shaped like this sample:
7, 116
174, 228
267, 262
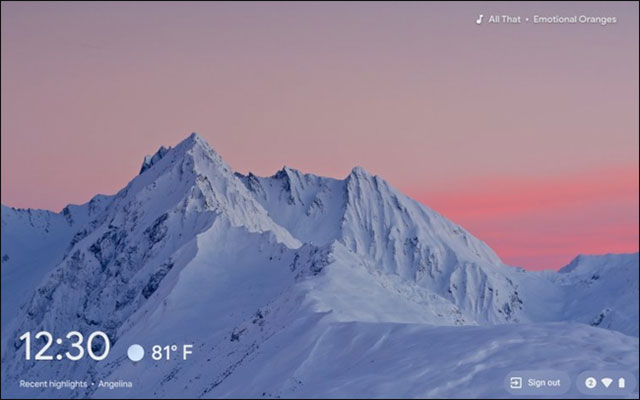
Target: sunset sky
527, 135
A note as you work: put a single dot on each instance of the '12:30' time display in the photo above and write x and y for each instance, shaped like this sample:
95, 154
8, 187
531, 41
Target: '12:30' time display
77, 346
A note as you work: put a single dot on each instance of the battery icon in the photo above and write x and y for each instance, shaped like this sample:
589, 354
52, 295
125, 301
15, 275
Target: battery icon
621, 383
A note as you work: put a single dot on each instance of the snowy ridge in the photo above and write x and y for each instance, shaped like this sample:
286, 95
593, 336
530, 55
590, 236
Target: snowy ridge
308, 206
150, 160
406, 239
399, 242
299, 273
585, 281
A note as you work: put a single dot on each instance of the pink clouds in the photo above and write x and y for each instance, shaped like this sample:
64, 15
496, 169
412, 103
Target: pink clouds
543, 223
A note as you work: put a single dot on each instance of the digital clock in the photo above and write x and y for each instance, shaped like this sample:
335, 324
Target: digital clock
77, 343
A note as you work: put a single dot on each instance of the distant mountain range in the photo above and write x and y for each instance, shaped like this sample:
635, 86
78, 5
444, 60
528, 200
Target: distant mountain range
296, 285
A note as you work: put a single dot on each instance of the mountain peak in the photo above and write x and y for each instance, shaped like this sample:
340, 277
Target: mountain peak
359, 172
195, 140
286, 172
192, 144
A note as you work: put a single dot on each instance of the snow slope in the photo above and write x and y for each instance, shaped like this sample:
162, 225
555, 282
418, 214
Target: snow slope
602, 291
33, 242
295, 285
383, 360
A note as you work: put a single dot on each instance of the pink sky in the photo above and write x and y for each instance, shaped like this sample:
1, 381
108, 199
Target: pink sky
540, 223
526, 135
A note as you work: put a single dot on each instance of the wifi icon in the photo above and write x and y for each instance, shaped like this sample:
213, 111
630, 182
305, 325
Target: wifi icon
606, 381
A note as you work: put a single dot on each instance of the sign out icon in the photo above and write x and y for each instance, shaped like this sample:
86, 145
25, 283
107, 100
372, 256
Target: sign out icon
515, 382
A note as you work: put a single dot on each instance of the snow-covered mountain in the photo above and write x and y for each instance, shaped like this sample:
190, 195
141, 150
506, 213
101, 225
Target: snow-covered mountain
400, 245
33, 243
294, 285
602, 291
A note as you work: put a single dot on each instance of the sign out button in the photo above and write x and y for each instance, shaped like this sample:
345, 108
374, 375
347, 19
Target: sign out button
538, 382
